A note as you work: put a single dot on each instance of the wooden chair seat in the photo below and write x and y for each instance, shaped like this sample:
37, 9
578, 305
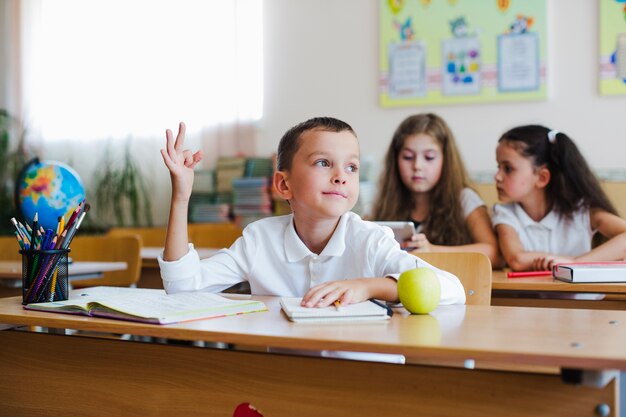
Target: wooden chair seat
472, 268
150, 236
109, 249
213, 235
9, 249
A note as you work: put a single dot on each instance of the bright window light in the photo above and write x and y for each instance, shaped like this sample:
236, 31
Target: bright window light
119, 68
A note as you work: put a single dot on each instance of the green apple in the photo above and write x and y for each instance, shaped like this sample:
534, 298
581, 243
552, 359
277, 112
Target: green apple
419, 290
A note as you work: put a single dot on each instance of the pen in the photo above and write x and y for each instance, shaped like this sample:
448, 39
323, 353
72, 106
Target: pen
383, 305
523, 274
337, 305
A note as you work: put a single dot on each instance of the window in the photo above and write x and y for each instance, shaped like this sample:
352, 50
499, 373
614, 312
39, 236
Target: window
116, 68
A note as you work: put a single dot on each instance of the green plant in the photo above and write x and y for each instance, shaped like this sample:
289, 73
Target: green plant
13, 157
120, 195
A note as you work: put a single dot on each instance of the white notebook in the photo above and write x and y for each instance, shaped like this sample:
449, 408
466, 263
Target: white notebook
364, 311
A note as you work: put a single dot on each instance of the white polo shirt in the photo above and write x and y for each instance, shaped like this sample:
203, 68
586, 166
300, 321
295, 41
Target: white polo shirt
273, 259
553, 234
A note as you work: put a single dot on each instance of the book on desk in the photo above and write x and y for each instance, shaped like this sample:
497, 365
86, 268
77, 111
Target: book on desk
365, 311
590, 272
148, 305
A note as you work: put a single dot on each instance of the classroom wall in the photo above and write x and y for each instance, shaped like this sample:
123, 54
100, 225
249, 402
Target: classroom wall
321, 58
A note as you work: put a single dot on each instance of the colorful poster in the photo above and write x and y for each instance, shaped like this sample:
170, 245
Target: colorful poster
462, 51
612, 47
460, 69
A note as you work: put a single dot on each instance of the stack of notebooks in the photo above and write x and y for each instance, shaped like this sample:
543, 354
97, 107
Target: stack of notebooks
148, 305
251, 199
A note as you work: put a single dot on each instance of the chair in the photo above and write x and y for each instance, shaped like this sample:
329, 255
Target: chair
9, 249
472, 268
213, 235
109, 249
150, 236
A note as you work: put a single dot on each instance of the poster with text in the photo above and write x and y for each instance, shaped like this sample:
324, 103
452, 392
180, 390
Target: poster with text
407, 69
518, 62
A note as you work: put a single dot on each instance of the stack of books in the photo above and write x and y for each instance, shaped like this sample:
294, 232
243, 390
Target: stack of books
251, 199
259, 167
228, 169
206, 208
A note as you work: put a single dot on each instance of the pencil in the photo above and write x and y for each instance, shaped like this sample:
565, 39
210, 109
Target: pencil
337, 305
523, 274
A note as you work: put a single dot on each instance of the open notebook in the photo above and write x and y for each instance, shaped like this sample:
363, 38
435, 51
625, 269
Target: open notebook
148, 305
367, 310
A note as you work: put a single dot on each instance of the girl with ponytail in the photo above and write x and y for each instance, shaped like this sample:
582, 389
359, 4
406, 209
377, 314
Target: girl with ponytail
553, 204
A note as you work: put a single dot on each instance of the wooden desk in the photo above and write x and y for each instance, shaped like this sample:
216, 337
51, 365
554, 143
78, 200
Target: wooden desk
11, 273
94, 376
546, 291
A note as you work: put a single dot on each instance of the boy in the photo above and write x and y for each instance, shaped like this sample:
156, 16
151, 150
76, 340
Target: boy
322, 251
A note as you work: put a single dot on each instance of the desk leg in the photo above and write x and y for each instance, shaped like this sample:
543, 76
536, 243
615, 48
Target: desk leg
47, 374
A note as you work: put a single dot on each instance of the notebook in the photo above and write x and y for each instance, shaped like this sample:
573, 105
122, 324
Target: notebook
368, 310
590, 272
148, 305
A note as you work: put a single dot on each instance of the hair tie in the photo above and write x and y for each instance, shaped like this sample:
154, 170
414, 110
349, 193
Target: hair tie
552, 135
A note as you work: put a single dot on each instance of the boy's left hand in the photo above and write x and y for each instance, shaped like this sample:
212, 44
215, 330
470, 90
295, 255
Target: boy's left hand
347, 292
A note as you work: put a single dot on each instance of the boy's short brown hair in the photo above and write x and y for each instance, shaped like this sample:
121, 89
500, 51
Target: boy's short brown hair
289, 143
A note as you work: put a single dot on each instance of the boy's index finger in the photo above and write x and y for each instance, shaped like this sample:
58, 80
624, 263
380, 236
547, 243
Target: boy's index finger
180, 138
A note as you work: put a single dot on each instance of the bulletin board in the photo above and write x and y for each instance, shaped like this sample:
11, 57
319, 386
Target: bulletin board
461, 51
612, 47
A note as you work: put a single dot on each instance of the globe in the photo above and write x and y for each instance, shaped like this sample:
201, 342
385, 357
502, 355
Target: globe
49, 188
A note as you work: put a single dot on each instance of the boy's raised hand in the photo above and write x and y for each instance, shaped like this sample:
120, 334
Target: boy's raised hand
180, 163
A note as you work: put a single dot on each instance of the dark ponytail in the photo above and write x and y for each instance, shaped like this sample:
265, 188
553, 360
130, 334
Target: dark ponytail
571, 181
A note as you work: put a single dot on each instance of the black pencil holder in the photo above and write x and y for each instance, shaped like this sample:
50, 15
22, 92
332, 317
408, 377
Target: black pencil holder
44, 275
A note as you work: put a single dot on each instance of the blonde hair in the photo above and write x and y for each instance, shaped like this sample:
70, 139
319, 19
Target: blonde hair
445, 224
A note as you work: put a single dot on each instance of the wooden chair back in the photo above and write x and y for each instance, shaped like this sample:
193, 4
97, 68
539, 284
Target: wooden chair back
109, 249
150, 236
213, 235
9, 249
472, 268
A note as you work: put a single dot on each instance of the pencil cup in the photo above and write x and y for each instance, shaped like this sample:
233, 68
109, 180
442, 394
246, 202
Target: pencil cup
44, 275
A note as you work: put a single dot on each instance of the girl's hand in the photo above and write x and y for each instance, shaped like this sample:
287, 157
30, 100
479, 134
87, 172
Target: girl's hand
418, 242
180, 163
547, 262
347, 292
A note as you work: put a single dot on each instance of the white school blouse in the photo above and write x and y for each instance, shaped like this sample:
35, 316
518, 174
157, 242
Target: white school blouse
273, 259
470, 201
553, 234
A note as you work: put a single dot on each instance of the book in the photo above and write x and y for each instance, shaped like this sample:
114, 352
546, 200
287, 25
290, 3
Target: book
590, 272
367, 310
148, 305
